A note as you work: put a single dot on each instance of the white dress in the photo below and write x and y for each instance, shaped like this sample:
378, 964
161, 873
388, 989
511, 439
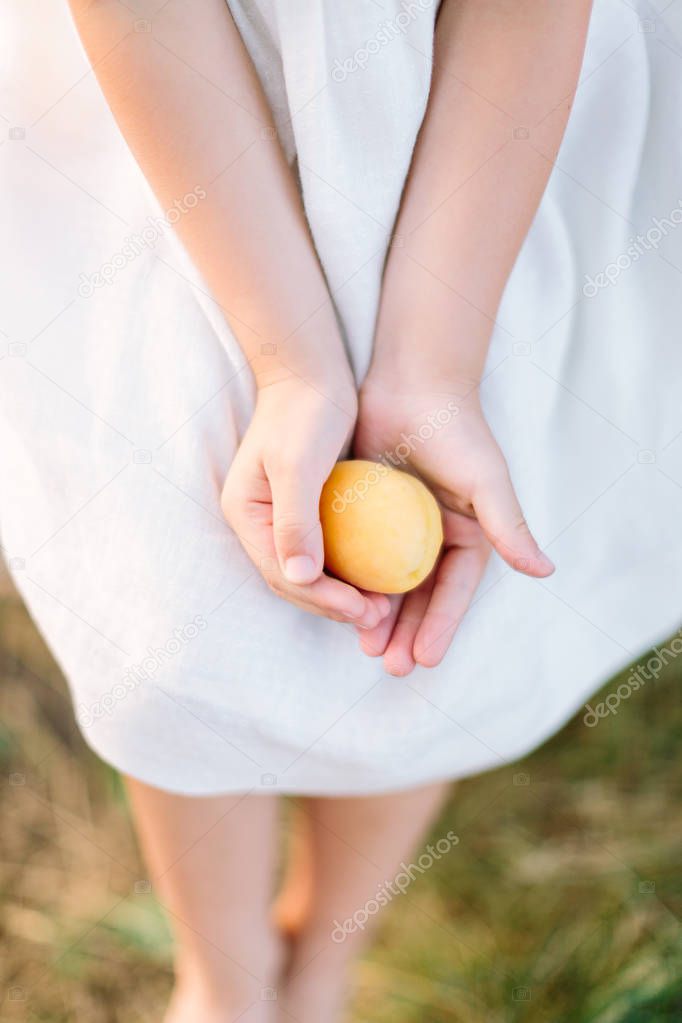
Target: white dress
122, 403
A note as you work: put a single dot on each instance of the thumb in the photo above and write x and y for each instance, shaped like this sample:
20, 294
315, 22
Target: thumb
500, 516
297, 532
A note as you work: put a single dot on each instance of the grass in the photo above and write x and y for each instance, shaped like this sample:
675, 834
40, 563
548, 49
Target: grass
560, 903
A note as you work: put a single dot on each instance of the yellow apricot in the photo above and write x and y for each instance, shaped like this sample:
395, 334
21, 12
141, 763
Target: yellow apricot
382, 528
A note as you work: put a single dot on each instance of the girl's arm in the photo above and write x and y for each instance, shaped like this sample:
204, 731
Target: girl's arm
205, 122
505, 72
504, 76
190, 106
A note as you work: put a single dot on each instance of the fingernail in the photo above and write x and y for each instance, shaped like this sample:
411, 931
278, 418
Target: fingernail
300, 569
546, 561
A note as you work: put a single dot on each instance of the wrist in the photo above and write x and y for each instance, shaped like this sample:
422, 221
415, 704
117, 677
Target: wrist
417, 374
308, 387
429, 338
323, 370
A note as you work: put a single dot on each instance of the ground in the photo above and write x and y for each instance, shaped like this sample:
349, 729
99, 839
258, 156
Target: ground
560, 903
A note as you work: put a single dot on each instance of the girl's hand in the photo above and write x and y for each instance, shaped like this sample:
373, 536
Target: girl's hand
272, 492
445, 440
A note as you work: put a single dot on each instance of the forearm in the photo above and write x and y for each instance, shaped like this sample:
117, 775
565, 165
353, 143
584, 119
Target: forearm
210, 128
476, 180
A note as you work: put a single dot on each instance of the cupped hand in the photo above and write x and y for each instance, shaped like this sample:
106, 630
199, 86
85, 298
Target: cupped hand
445, 439
272, 492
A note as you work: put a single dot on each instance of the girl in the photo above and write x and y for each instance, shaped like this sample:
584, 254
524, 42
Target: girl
253, 236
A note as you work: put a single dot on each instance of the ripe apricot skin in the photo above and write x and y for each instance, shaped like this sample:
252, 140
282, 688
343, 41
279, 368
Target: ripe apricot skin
382, 527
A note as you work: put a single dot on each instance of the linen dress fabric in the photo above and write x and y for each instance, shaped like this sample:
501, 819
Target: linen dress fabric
121, 406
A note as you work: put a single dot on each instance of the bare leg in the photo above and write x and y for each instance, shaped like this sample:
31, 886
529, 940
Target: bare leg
211, 863
358, 847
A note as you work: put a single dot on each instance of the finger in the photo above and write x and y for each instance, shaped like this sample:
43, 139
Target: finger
296, 489
328, 597
246, 507
333, 599
380, 601
457, 578
398, 658
374, 642
499, 513
245, 502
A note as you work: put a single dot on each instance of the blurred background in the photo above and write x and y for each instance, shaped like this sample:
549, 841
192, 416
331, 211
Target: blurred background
561, 901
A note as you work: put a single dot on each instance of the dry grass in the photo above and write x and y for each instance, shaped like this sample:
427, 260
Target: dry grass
566, 889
